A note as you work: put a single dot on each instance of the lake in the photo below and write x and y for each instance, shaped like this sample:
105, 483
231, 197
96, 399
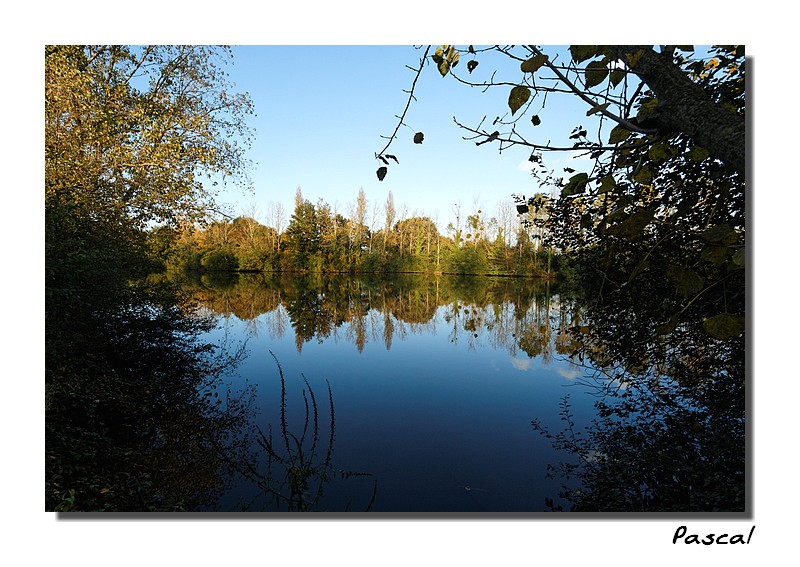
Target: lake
434, 382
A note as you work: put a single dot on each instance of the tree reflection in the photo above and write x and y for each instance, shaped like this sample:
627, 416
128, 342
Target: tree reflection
670, 431
137, 418
509, 313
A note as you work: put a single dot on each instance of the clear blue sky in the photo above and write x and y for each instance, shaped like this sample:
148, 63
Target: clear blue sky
321, 112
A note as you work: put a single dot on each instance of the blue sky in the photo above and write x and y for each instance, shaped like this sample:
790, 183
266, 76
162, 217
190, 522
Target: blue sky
321, 112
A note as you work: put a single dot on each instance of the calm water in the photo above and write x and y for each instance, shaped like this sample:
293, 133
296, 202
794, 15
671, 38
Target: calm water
434, 382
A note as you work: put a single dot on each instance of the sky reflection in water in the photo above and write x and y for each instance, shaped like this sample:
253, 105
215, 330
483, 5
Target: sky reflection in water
439, 411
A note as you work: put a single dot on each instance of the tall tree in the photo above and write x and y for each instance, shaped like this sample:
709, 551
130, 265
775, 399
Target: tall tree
130, 133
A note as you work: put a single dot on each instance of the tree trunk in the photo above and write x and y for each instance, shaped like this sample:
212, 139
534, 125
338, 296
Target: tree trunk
686, 108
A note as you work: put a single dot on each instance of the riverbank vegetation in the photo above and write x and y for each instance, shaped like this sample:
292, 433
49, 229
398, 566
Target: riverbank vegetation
318, 239
132, 419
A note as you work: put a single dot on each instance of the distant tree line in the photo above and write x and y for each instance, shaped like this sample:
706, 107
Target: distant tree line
318, 239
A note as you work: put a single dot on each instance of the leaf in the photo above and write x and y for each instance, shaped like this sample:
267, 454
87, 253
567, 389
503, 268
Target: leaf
685, 280
597, 108
471, 65
392, 157
445, 57
439, 58
418, 137
596, 72
383, 159
724, 326
578, 133
644, 176
581, 53
633, 58
719, 234
382, 173
618, 134
576, 184
616, 76
659, 152
698, 154
717, 255
519, 95
607, 183
632, 227
533, 64
646, 108
536, 120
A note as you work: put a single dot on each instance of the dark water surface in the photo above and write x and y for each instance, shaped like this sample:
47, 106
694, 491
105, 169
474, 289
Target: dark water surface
434, 382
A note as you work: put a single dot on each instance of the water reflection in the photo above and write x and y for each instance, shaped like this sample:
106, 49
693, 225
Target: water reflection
452, 392
521, 316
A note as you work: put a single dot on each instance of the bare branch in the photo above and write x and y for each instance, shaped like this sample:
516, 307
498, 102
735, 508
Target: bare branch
408, 103
520, 141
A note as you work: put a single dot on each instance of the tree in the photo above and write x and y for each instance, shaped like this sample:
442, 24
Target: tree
303, 235
667, 143
655, 235
131, 132
390, 216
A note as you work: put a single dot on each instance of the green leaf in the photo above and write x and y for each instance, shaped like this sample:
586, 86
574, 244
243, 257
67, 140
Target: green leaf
616, 76
685, 280
607, 183
533, 64
633, 58
581, 53
632, 227
724, 326
596, 72
717, 255
618, 134
418, 137
644, 176
720, 234
659, 152
698, 154
381, 173
576, 184
646, 108
519, 95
